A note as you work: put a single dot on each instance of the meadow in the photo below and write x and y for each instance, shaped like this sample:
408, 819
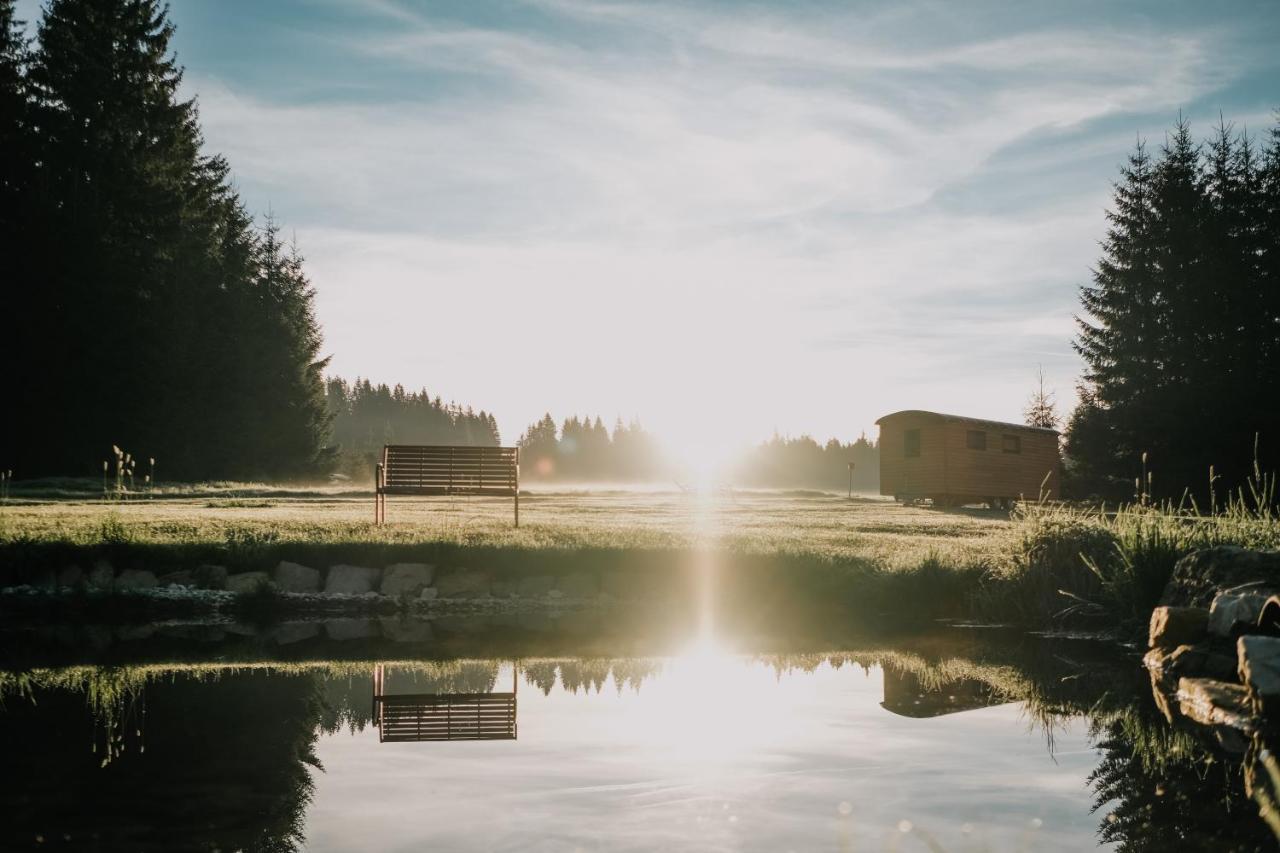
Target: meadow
1046, 564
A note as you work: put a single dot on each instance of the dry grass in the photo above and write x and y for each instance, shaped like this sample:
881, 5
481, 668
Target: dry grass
797, 524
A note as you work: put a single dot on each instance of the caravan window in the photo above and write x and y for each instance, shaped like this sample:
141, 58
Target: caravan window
977, 440
911, 443
1012, 444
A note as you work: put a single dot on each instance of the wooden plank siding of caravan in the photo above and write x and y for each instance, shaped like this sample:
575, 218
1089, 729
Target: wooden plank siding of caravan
1002, 463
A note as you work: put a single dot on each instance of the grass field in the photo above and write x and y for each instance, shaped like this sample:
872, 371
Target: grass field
811, 524
1046, 564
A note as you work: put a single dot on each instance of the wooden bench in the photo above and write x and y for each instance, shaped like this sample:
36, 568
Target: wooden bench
411, 469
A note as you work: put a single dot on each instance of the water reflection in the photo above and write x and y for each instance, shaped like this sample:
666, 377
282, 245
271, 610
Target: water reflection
990, 743
416, 717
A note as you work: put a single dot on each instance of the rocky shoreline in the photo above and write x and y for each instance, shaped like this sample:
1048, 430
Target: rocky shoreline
1214, 659
419, 588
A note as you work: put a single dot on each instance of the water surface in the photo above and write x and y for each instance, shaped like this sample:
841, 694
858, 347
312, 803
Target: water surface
205, 739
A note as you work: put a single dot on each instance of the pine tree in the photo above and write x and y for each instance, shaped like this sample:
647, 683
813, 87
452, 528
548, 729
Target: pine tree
1041, 410
1119, 335
1181, 327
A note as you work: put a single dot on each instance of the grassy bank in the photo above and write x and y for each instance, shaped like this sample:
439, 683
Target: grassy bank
1047, 565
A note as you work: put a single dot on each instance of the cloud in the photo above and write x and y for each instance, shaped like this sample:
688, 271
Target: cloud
688, 209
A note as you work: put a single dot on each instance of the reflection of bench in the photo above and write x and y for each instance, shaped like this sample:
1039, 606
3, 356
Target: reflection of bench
403, 717
410, 469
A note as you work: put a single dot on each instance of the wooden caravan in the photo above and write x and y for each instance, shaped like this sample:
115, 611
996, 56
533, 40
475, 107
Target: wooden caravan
412, 469
954, 460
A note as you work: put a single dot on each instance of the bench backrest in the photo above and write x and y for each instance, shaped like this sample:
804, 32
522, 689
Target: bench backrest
444, 469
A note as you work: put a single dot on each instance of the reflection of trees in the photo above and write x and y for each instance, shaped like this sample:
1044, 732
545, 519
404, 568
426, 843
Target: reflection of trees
1159, 788
222, 757
218, 765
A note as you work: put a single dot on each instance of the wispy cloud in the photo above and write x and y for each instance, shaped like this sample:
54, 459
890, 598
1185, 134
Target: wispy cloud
721, 199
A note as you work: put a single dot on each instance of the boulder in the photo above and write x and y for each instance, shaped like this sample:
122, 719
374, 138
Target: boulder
211, 577
246, 582
1171, 627
1237, 610
400, 630
72, 577
1215, 703
535, 586
351, 629
406, 578
351, 580
463, 583
179, 578
1199, 576
579, 585
1259, 668
101, 577
294, 577
131, 579
1202, 661
429, 594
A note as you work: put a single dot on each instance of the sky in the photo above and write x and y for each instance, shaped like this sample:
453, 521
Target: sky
726, 219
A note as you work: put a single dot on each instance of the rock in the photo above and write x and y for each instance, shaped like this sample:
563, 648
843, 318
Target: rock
400, 630
1177, 626
1200, 661
211, 577
246, 582
1215, 703
407, 579
1199, 576
72, 577
1259, 668
555, 594
241, 629
463, 583
131, 579
351, 580
429, 594
101, 577
579, 585
294, 577
351, 629
180, 578
535, 586
294, 632
1237, 610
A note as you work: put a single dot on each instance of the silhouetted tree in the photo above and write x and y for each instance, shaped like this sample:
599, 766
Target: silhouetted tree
1181, 324
149, 313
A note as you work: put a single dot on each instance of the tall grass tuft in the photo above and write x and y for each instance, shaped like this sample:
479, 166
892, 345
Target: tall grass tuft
1071, 563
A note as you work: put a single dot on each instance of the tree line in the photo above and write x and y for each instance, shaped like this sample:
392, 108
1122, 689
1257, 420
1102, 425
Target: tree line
144, 306
1180, 328
367, 416
583, 449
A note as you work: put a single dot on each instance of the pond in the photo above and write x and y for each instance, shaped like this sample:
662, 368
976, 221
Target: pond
471, 735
